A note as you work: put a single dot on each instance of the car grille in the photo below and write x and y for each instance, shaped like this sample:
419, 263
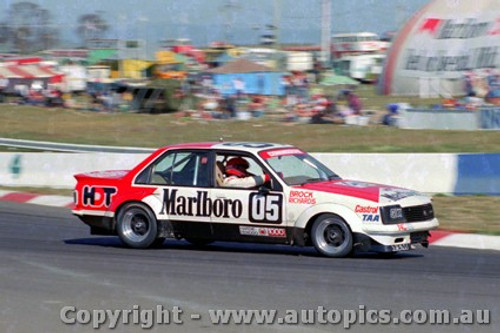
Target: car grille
419, 213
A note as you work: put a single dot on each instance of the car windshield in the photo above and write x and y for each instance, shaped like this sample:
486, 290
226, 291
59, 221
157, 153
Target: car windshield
299, 169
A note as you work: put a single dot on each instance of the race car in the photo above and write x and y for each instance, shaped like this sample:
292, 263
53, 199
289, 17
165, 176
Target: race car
179, 192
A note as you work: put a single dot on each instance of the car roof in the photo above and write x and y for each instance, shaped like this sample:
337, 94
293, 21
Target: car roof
253, 147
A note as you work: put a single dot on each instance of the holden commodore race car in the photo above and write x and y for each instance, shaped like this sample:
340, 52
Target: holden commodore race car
180, 192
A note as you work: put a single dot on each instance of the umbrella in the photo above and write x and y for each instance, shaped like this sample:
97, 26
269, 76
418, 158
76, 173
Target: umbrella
332, 79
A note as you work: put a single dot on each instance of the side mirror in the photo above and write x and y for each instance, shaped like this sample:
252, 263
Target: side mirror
264, 190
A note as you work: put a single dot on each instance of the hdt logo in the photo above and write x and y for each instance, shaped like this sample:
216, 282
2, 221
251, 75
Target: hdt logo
96, 196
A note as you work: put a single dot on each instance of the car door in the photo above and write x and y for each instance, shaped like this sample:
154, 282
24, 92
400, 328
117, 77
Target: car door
254, 214
182, 180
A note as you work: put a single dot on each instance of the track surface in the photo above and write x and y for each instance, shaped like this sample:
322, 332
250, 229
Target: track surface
48, 261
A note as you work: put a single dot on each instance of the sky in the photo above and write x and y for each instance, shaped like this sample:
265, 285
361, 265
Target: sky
236, 21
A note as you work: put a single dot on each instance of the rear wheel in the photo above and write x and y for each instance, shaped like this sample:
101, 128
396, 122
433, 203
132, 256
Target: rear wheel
137, 227
331, 236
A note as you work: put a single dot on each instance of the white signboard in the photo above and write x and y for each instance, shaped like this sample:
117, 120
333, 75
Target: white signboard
445, 40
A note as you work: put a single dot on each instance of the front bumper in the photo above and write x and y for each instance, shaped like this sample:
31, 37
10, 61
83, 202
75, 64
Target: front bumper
399, 229
387, 244
393, 238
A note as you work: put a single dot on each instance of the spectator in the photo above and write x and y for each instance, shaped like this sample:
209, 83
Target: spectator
4, 83
392, 115
353, 102
327, 115
493, 95
231, 105
256, 106
239, 86
206, 84
469, 84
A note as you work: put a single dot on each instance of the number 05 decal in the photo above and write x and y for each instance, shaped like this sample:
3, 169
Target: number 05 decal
266, 208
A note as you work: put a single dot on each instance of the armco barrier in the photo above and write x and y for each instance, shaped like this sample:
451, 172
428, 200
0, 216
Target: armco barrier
441, 119
429, 173
487, 118
490, 118
478, 173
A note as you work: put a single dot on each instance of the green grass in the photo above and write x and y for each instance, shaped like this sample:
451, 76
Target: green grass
476, 214
145, 130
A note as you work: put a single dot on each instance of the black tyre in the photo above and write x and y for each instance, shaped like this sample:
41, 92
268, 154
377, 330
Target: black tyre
136, 226
331, 236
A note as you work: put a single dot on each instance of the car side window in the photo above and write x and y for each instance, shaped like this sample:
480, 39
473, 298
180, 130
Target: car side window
187, 168
254, 169
191, 169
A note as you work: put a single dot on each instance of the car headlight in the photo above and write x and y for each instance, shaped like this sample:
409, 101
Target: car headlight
392, 214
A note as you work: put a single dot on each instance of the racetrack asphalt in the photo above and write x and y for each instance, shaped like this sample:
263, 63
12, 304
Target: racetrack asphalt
49, 261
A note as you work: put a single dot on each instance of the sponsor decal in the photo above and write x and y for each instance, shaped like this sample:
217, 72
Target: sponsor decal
200, 205
459, 29
371, 218
430, 25
402, 227
302, 197
262, 231
281, 152
262, 208
451, 60
442, 61
265, 208
366, 209
496, 28
98, 196
470, 28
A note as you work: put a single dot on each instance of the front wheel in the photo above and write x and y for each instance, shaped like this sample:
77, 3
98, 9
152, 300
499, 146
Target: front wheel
137, 227
331, 236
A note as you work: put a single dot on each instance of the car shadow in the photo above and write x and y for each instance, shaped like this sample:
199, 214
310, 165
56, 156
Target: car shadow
172, 244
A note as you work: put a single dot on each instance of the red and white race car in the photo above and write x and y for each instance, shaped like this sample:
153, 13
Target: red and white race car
179, 192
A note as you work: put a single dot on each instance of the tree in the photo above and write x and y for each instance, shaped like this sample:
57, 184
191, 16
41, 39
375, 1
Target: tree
91, 26
28, 27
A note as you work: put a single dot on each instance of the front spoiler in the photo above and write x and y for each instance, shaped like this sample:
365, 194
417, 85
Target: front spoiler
366, 243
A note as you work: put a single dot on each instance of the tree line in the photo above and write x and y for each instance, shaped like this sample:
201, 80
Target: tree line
28, 27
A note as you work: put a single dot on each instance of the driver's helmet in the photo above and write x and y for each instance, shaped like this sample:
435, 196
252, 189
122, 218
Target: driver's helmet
237, 166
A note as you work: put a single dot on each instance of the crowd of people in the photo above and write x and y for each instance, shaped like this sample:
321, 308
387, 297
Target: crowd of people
300, 103
297, 105
316, 109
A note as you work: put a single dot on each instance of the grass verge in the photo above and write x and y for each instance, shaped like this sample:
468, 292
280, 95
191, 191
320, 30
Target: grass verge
145, 130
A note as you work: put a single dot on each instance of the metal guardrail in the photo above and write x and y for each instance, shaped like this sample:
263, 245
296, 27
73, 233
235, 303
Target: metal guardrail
73, 148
